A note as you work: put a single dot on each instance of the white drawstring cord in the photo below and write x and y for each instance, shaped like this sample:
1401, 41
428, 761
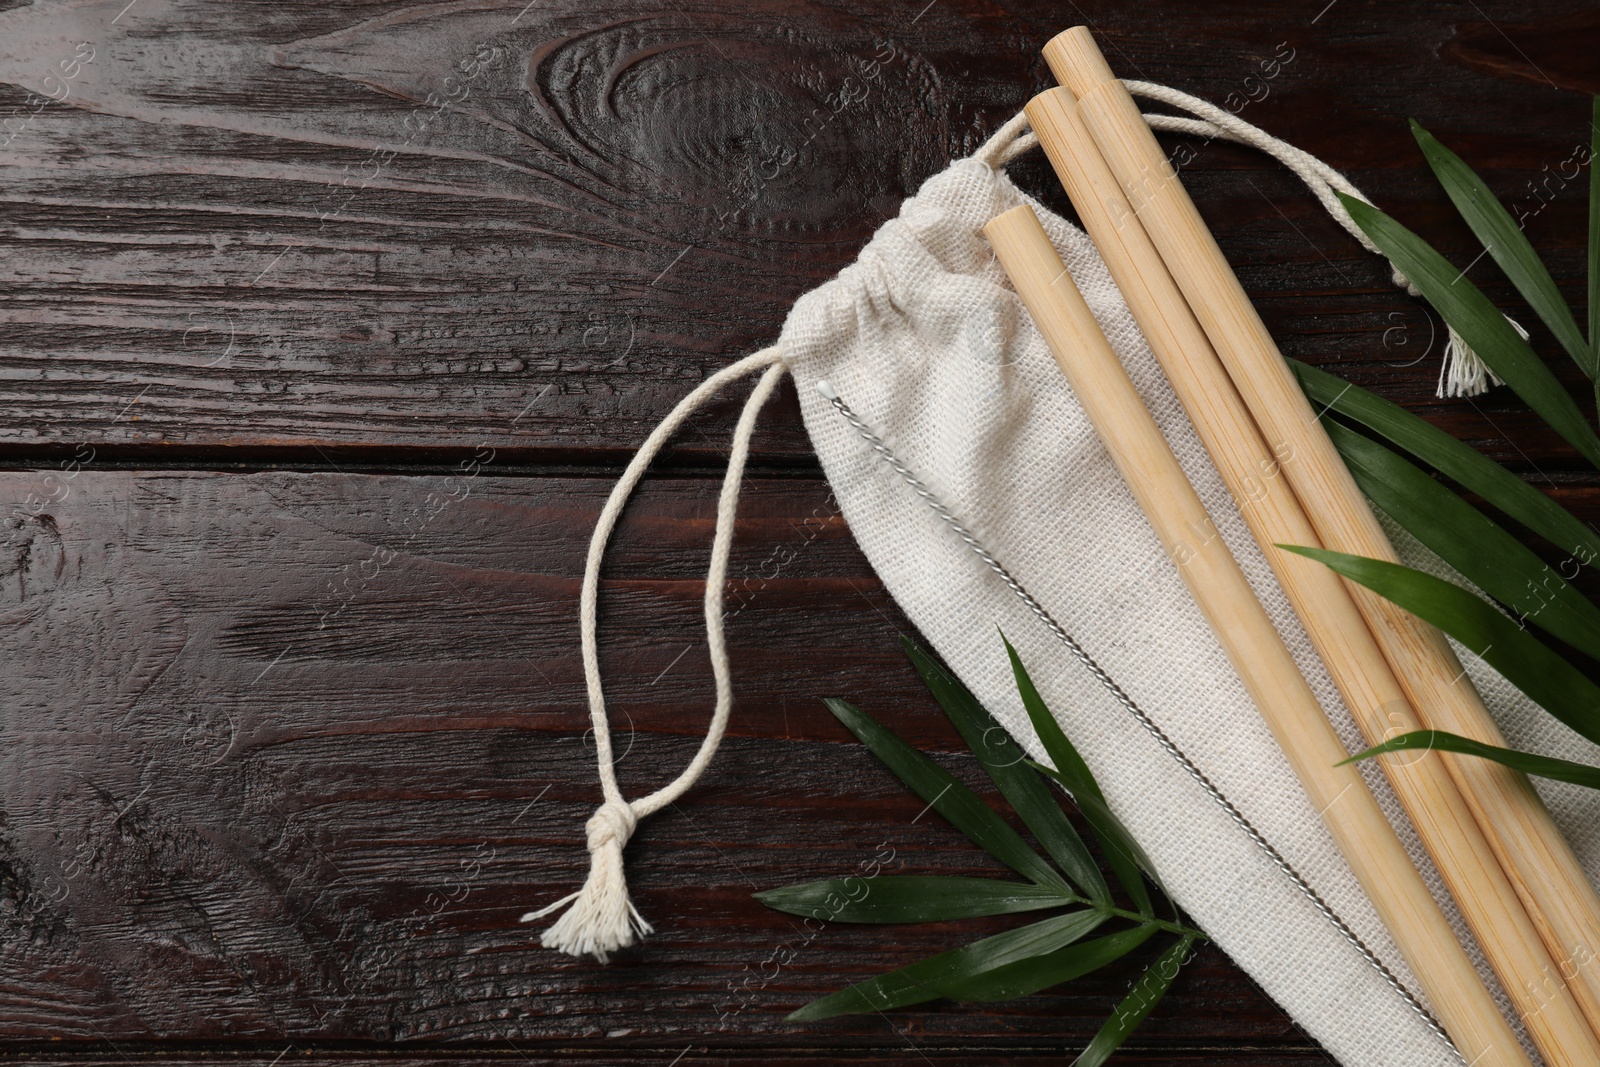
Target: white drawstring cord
602, 918
1213, 121
1008, 142
1463, 372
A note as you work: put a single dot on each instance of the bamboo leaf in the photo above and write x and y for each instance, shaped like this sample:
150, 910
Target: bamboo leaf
1438, 740
910, 898
1127, 859
1470, 542
1136, 1006
932, 977
1504, 240
1070, 766
1454, 460
949, 797
1554, 683
1117, 839
1051, 969
1479, 323
1006, 764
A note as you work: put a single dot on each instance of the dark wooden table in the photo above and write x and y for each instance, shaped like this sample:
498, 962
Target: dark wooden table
324, 330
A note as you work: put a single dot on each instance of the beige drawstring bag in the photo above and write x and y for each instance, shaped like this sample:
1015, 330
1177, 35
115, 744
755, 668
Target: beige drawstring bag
925, 346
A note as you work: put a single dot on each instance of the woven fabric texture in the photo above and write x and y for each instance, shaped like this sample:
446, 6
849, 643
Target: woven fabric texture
924, 338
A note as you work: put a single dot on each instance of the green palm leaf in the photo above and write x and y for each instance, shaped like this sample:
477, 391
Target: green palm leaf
1560, 688
1020, 961
1006, 764
1127, 859
1454, 460
949, 797
1479, 323
1050, 969
1439, 741
1507, 244
942, 975
1466, 539
1136, 1006
910, 898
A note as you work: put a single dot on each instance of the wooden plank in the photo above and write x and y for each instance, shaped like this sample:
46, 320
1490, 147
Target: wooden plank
430, 228
286, 756
263, 725
701, 1053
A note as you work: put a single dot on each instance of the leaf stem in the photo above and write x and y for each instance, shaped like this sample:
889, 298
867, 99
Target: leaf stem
1143, 920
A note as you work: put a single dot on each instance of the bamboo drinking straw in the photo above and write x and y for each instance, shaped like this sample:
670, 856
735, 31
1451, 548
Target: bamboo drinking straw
1462, 1004
1444, 823
1562, 904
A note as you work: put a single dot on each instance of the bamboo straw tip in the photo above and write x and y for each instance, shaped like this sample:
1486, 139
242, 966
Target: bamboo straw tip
1076, 61
1051, 100
1009, 222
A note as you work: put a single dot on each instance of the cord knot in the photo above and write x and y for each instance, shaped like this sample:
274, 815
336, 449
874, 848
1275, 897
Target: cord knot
613, 821
602, 917
1398, 276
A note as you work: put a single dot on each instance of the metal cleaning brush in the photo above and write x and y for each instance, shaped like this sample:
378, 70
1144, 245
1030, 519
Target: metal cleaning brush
1128, 704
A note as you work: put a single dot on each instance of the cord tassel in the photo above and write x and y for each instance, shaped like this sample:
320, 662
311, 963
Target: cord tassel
1464, 373
602, 917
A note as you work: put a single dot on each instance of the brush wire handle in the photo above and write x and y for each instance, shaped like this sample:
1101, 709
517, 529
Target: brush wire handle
1144, 719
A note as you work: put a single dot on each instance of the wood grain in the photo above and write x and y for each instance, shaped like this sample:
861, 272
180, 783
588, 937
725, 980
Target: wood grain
248, 750
273, 235
232, 812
